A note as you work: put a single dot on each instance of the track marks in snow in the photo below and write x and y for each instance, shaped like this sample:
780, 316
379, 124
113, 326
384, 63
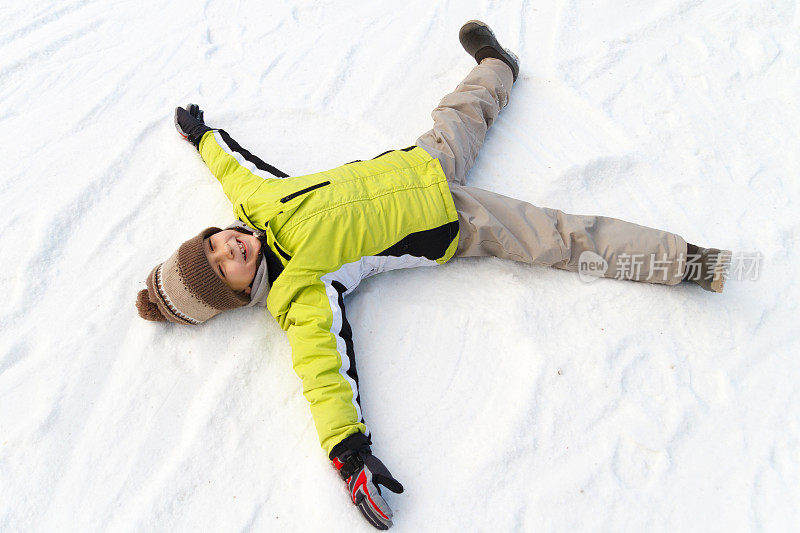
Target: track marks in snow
591, 178
12, 355
637, 466
44, 267
203, 412
42, 21
47, 50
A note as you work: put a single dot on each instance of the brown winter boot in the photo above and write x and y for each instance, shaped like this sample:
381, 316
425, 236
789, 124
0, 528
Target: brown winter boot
479, 41
708, 267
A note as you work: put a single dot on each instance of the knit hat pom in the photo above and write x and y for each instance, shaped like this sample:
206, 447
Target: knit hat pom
147, 309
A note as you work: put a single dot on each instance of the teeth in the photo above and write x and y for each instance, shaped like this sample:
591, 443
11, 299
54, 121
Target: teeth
242, 249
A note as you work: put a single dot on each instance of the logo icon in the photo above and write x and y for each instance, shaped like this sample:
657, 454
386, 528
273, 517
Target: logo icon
591, 266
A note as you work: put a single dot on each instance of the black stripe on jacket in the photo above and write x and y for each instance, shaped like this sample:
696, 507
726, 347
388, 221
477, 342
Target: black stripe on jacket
346, 334
259, 164
430, 243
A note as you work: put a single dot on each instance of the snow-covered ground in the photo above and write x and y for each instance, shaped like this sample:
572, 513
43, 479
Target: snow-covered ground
504, 397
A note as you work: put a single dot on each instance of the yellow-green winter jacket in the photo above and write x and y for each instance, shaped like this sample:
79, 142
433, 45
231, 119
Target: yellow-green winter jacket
329, 231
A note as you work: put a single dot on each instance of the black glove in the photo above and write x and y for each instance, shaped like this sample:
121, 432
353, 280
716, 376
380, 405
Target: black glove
189, 123
364, 474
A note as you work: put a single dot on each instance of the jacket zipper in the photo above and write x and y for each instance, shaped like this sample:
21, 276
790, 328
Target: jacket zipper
304, 191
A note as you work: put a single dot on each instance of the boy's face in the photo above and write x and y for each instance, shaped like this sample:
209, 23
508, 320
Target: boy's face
233, 256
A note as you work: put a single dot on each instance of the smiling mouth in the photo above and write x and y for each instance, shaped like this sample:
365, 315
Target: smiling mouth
242, 248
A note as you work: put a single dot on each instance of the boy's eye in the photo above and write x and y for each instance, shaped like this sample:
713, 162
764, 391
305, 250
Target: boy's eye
211, 246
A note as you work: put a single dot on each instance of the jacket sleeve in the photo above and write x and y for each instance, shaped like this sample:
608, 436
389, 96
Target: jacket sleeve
323, 358
239, 171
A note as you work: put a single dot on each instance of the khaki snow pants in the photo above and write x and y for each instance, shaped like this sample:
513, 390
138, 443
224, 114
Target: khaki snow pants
491, 224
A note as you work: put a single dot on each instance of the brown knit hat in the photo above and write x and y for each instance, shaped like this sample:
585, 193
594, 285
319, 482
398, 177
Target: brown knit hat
184, 289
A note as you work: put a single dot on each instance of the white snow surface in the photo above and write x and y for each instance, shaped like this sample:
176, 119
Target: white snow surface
505, 397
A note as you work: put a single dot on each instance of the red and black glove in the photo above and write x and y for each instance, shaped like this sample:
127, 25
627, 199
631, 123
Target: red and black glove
364, 474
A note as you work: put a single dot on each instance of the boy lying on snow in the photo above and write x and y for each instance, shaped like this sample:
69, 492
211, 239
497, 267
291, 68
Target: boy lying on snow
303, 243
